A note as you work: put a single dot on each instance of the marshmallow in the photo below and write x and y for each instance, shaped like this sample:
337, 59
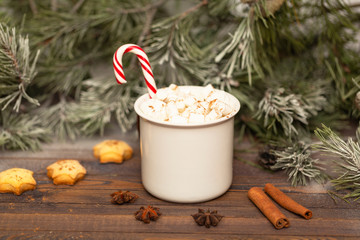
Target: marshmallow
198, 109
198, 94
185, 92
162, 94
220, 107
213, 115
208, 90
188, 105
152, 105
171, 97
189, 101
204, 104
155, 109
173, 87
214, 96
180, 104
171, 109
196, 118
186, 113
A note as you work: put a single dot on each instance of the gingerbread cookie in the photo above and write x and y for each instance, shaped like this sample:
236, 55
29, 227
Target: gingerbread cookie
66, 172
17, 181
112, 151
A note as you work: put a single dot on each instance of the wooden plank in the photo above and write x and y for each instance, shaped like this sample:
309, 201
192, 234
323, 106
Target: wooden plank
84, 210
132, 168
99, 191
174, 224
99, 194
38, 234
246, 211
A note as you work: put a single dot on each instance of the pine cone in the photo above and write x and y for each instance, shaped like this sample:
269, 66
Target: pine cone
266, 158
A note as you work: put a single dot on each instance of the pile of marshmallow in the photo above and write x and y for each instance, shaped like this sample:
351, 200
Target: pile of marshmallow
182, 105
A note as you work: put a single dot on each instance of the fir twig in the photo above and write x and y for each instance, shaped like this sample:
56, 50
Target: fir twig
298, 164
101, 101
54, 5
33, 6
16, 69
177, 58
334, 194
348, 166
255, 42
142, 9
147, 26
23, 131
241, 45
77, 6
280, 110
59, 118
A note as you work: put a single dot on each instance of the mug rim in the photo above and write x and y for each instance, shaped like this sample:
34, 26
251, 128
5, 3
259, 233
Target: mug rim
235, 103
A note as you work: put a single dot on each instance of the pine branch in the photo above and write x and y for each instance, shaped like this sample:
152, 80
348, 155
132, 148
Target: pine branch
146, 8
77, 6
348, 166
241, 45
102, 101
72, 42
59, 118
221, 8
296, 161
145, 32
176, 56
54, 5
250, 48
63, 77
22, 131
280, 111
272, 47
346, 89
33, 7
16, 69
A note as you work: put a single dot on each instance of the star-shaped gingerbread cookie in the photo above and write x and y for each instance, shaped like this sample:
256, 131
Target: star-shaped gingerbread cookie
66, 172
112, 151
17, 181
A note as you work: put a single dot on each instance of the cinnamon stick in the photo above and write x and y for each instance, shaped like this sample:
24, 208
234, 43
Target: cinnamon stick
267, 207
286, 202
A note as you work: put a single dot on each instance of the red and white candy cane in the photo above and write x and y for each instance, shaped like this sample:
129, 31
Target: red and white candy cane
144, 62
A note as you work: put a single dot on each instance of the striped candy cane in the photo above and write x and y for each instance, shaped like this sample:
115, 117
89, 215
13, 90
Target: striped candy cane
144, 62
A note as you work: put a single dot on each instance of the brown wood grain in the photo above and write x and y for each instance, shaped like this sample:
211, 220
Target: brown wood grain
173, 224
38, 234
84, 211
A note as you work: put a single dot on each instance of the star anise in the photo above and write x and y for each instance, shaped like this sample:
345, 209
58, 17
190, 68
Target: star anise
147, 214
207, 218
121, 197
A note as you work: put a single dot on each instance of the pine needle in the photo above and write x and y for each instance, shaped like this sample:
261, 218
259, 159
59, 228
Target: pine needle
24, 132
334, 194
298, 164
16, 71
281, 111
348, 163
250, 48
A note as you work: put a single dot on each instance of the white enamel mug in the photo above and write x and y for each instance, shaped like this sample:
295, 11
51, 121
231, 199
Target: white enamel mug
187, 163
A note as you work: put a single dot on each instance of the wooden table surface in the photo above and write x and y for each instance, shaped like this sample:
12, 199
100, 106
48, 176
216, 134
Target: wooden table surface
84, 211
